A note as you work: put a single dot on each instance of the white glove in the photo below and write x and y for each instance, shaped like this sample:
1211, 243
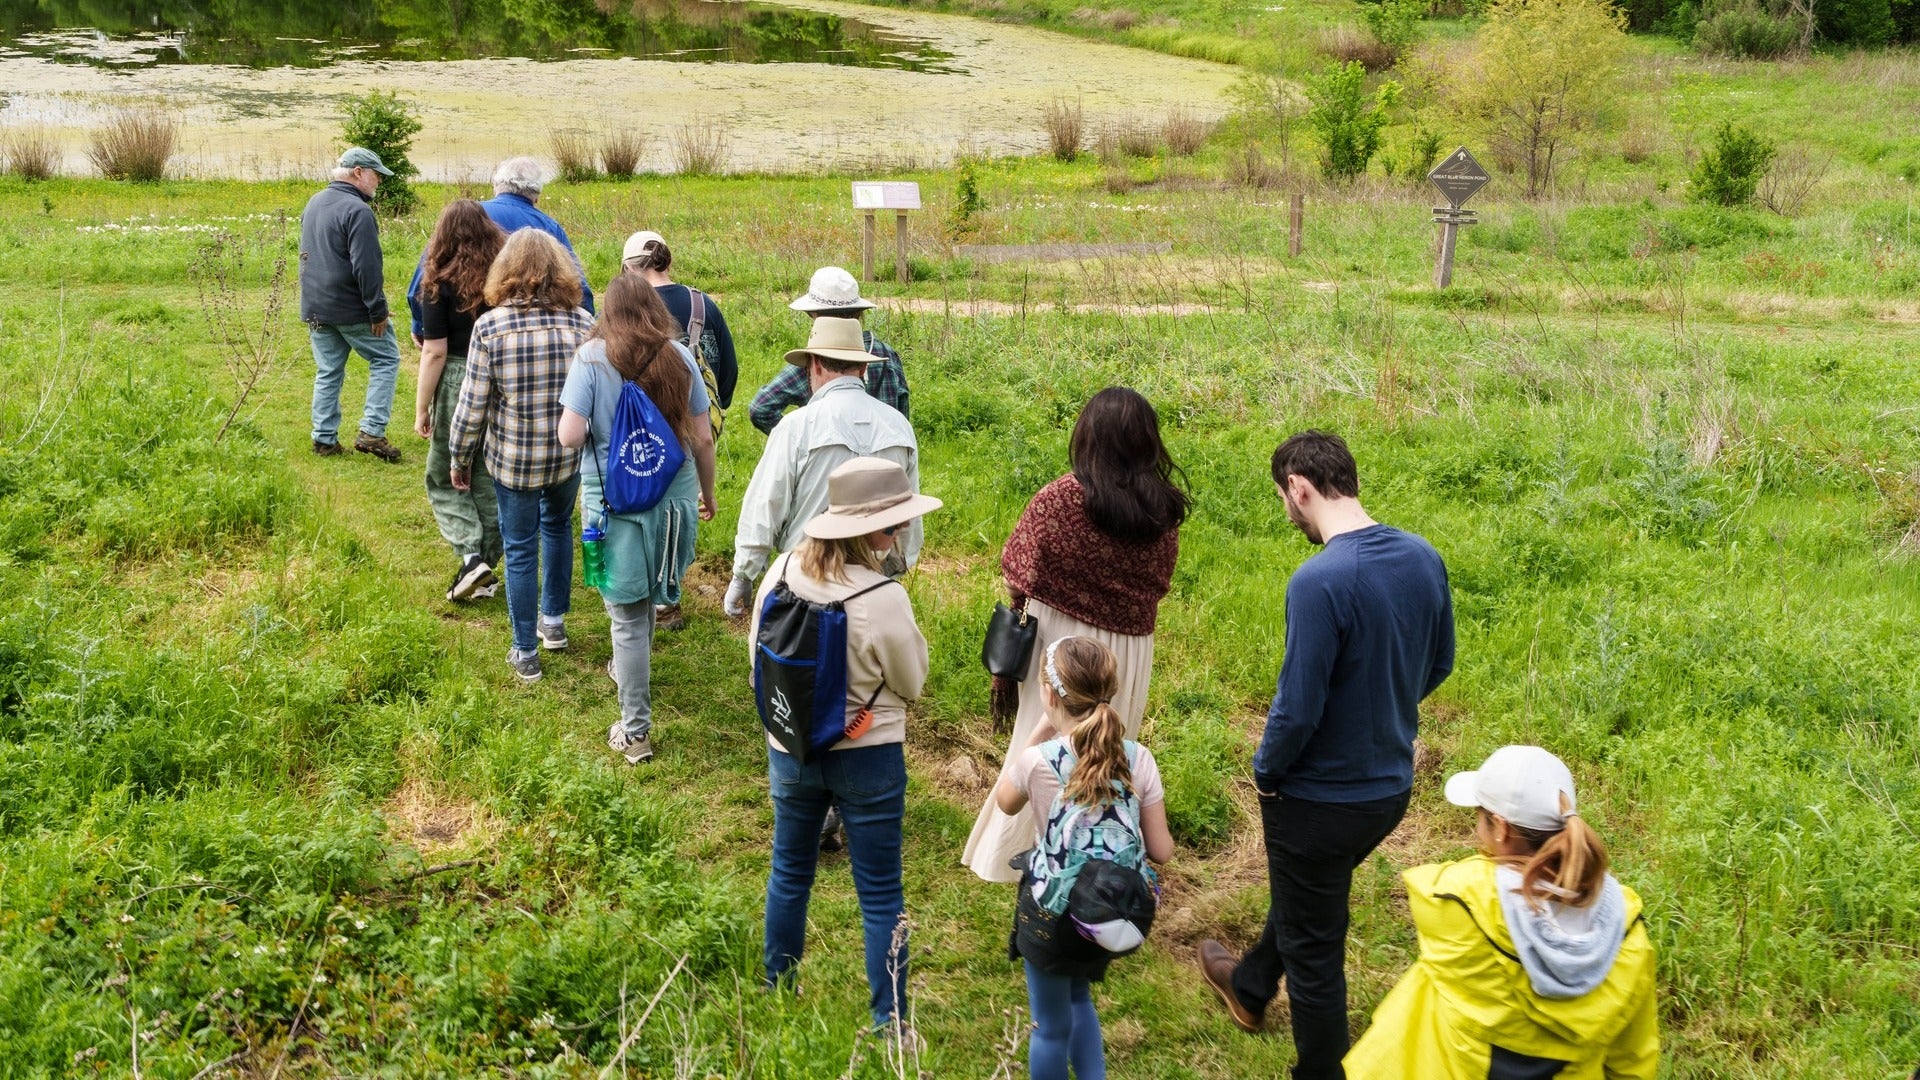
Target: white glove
738, 594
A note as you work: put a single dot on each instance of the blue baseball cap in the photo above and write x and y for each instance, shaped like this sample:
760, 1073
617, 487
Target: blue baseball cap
359, 157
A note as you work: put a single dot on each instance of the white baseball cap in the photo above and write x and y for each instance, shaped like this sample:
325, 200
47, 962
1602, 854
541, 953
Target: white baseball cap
1523, 784
637, 244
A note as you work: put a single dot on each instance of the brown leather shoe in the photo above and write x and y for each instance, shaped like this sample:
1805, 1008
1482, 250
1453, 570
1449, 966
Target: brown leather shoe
378, 446
328, 449
1216, 966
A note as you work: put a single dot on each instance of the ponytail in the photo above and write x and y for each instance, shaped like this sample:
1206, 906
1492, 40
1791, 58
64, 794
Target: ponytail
1100, 774
1568, 866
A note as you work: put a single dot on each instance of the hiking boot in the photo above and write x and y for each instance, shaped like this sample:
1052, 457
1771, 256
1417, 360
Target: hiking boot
473, 575
328, 449
634, 750
525, 664
833, 831
668, 617
1216, 967
553, 635
378, 446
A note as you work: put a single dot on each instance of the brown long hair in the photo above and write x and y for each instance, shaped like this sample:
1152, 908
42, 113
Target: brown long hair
827, 560
1126, 475
461, 250
1091, 676
1568, 865
533, 268
639, 332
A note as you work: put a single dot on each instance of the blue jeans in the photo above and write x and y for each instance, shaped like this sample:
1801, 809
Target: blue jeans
536, 526
331, 346
870, 783
1066, 1029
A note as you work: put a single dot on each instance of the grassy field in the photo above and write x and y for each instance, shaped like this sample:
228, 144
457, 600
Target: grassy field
266, 799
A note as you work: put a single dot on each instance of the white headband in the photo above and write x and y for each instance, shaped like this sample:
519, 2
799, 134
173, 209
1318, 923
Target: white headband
1053, 673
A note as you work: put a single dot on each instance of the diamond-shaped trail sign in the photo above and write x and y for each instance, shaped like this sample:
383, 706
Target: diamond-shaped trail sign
1459, 177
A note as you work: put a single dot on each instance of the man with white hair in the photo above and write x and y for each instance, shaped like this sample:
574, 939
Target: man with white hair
343, 301
516, 188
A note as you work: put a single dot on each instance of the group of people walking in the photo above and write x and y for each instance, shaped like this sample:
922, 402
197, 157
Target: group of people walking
1534, 961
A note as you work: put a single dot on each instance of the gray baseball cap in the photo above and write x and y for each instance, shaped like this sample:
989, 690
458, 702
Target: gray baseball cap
359, 157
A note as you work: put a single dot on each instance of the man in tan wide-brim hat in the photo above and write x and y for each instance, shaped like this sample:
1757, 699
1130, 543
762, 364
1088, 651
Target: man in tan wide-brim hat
839, 422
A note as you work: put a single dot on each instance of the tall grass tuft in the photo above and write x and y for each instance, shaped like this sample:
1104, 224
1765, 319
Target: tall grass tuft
1347, 44
1250, 169
1184, 132
31, 153
1066, 125
701, 149
573, 152
622, 151
135, 144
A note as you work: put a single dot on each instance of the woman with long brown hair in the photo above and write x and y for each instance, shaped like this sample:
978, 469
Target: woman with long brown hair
516, 366
1098, 796
646, 552
453, 297
1092, 556
1534, 960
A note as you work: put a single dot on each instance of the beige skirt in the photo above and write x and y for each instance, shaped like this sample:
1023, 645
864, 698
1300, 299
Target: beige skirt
998, 837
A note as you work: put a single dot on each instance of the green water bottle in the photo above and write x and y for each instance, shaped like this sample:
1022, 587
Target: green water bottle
593, 552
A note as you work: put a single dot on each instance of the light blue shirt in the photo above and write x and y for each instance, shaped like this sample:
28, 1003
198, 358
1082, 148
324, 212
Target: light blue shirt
839, 423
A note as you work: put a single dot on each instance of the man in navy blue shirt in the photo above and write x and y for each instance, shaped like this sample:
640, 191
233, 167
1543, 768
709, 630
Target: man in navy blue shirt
1369, 634
516, 188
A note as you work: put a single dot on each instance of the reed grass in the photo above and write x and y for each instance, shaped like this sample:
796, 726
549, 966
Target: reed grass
30, 152
701, 149
134, 144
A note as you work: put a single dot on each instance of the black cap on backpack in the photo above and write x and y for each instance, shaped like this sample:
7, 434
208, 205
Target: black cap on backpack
1112, 906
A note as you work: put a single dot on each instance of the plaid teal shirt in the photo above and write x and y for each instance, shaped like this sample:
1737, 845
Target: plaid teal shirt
886, 382
516, 367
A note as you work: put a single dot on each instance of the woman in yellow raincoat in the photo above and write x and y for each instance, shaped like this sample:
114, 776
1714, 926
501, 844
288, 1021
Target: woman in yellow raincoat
1534, 961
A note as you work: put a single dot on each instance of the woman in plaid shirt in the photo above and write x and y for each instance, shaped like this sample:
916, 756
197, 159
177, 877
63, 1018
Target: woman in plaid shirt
516, 366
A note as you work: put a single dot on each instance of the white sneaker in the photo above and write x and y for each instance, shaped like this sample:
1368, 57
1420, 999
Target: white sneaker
634, 750
553, 635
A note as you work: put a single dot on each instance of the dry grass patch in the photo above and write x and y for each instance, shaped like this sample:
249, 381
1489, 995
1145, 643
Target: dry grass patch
1066, 126
1349, 44
573, 152
433, 822
134, 144
622, 151
1184, 131
701, 149
31, 153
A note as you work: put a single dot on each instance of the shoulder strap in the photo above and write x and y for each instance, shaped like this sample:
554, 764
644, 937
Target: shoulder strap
696, 319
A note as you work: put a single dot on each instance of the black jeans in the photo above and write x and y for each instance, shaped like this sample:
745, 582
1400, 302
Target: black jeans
1312, 850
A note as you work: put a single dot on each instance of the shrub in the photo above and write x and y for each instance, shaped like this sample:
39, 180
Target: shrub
1791, 178
573, 153
1183, 132
386, 125
1066, 128
1250, 169
32, 154
1746, 33
1135, 140
1347, 121
1547, 69
1355, 45
1730, 171
622, 151
135, 144
967, 201
701, 149
1394, 23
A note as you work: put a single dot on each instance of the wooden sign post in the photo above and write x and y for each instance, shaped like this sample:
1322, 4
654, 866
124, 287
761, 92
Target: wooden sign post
873, 196
1459, 178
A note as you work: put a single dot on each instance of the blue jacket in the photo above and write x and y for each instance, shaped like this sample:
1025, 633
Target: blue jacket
512, 213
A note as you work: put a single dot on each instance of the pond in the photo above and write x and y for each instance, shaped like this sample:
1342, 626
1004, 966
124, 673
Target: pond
268, 35
880, 89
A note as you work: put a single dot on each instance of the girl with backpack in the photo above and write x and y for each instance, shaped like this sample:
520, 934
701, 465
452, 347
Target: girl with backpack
1100, 814
646, 551
1534, 961
843, 724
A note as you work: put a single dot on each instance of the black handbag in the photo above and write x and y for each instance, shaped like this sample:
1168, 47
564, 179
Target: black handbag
1008, 649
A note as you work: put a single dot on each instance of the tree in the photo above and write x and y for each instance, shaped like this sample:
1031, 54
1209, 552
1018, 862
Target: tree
1347, 122
1730, 172
386, 125
1546, 69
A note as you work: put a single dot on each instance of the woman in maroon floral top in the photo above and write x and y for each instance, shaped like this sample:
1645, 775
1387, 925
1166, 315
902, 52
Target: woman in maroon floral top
1091, 557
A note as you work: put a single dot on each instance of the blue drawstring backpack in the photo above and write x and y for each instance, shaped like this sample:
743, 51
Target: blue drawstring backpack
643, 457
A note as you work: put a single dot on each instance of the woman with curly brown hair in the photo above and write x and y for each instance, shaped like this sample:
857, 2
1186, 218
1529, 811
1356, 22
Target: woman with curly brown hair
516, 367
452, 292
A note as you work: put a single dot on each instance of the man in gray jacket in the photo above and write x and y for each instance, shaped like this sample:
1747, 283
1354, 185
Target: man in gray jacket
344, 304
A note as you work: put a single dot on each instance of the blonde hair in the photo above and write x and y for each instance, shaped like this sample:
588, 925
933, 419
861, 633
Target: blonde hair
1568, 865
1084, 677
827, 560
533, 268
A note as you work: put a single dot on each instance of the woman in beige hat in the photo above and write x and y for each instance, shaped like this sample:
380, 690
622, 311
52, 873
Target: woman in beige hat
869, 500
